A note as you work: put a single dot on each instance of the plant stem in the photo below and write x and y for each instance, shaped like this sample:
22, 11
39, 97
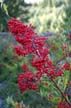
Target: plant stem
60, 92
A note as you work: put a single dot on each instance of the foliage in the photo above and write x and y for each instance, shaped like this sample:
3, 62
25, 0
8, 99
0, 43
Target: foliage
51, 16
67, 21
18, 9
8, 68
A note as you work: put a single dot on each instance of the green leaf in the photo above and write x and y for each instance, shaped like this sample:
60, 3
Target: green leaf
5, 8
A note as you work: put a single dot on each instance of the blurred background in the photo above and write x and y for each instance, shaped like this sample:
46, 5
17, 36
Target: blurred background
45, 15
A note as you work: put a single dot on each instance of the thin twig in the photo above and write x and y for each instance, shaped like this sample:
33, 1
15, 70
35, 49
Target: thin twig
60, 91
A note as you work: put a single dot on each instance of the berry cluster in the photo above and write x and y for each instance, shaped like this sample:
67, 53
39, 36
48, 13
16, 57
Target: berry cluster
63, 105
32, 44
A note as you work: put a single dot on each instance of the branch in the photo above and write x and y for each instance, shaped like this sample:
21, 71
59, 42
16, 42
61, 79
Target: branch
60, 92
